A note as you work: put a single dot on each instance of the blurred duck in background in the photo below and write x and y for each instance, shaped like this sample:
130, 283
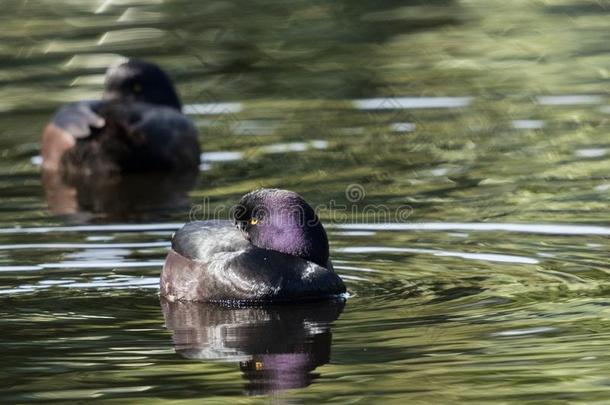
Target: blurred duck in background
130, 155
137, 127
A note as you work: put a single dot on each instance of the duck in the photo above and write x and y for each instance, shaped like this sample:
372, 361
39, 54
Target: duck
273, 249
136, 127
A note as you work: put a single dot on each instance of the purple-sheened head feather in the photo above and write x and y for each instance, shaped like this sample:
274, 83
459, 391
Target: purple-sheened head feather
282, 220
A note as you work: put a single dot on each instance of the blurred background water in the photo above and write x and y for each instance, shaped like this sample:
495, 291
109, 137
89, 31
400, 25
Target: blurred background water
483, 124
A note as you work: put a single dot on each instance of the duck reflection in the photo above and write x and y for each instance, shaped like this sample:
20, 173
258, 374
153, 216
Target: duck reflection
127, 197
277, 347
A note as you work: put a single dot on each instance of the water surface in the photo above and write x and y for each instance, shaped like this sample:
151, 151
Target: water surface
457, 151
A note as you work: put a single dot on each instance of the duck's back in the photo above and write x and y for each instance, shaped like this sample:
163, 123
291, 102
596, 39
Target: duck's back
211, 261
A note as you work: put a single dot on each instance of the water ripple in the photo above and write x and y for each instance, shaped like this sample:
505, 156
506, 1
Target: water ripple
489, 257
84, 245
90, 264
395, 103
548, 229
95, 228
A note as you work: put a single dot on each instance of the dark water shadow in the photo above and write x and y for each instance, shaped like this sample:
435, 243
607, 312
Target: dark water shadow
277, 347
136, 197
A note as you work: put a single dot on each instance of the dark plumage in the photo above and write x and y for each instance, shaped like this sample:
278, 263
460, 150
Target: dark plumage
137, 127
276, 249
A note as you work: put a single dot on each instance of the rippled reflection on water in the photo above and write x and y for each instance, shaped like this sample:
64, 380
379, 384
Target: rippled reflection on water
475, 135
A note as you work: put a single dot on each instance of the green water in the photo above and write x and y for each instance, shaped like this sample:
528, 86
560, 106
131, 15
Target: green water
458, 153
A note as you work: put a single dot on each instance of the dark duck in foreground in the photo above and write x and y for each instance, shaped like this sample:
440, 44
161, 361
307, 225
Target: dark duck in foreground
275, 249
138, 126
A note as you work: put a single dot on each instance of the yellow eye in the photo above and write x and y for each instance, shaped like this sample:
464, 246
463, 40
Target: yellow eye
253, 221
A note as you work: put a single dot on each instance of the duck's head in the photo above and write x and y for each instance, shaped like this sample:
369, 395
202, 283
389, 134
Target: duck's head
136, 80
282, 220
